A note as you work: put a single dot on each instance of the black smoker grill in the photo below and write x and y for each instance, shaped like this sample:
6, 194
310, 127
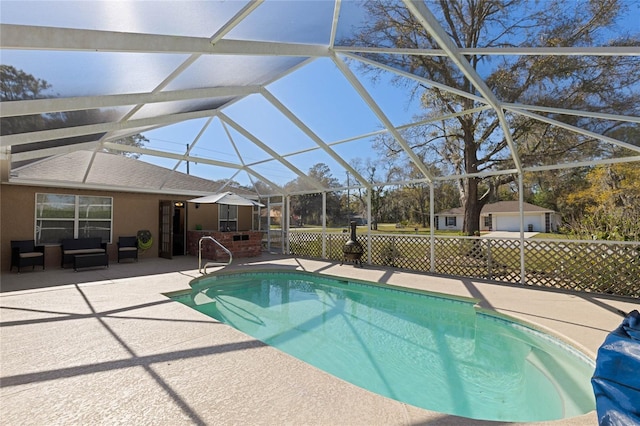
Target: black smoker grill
352, 249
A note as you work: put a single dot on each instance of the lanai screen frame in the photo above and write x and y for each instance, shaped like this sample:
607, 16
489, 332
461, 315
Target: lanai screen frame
47, 38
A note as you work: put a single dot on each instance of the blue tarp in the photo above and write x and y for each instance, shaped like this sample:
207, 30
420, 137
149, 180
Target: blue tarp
616, 381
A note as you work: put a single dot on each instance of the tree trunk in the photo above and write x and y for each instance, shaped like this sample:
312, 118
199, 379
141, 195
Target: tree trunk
472, 205
472, 208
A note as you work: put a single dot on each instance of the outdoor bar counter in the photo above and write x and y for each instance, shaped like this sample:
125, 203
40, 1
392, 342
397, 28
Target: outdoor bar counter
239, 243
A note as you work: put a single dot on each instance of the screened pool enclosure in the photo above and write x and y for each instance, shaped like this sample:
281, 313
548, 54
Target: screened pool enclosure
326, 99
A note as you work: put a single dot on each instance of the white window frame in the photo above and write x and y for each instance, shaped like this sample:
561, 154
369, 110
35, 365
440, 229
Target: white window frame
222, 216
76, 217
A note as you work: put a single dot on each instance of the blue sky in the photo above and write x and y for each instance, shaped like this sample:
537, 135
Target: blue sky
321, 97
317, 93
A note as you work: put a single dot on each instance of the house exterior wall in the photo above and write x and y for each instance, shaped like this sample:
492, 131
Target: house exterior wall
131, 212
442, 223
205, 217
504, 222
511, 222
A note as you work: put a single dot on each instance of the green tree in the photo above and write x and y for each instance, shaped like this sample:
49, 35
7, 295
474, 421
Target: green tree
446, 196
474, 142
136, 140
609, 206
416, 197
370, 170
309, 206
18, 85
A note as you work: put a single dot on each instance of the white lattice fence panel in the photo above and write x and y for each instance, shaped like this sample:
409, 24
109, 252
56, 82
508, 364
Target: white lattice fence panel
584, 266
403, 251
307, 244
464, 257
503, 260
598, 267
335, 243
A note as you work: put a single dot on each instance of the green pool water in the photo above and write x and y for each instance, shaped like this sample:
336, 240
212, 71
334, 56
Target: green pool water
433, 352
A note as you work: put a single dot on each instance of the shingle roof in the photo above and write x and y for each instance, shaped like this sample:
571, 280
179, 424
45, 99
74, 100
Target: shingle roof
512, 207
116, 171
456, 211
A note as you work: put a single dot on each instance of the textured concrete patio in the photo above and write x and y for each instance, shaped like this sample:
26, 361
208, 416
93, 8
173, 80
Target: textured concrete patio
106, 346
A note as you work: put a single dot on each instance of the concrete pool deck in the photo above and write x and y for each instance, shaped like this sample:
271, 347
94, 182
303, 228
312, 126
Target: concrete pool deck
106, 346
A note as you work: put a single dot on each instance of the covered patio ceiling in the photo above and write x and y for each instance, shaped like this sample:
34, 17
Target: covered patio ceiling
262, 91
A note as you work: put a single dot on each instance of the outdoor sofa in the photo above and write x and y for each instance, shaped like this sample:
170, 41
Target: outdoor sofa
84, 252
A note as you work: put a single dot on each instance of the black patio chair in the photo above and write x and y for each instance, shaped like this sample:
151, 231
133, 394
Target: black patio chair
26, 253
127, 248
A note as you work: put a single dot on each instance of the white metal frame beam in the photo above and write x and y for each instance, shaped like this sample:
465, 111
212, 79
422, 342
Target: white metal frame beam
228, 26
187, 153
249, 170
44, 106
25, 37
31, 37
165, 154
502, 51
419, 79
46, 135
516, 108
579, 130
48, 152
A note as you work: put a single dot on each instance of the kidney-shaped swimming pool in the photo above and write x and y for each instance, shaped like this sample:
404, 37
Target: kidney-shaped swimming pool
439, 353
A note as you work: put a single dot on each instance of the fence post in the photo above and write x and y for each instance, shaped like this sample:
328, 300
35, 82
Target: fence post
489, 262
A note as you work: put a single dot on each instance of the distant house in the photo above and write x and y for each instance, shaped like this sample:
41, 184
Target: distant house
503, 216
359, 219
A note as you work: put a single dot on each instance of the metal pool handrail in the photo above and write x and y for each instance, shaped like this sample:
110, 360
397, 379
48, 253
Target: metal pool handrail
209, 237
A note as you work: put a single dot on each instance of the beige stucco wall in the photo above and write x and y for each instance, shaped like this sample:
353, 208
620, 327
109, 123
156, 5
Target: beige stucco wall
245, 218
131, 212
206, 215
4, 168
